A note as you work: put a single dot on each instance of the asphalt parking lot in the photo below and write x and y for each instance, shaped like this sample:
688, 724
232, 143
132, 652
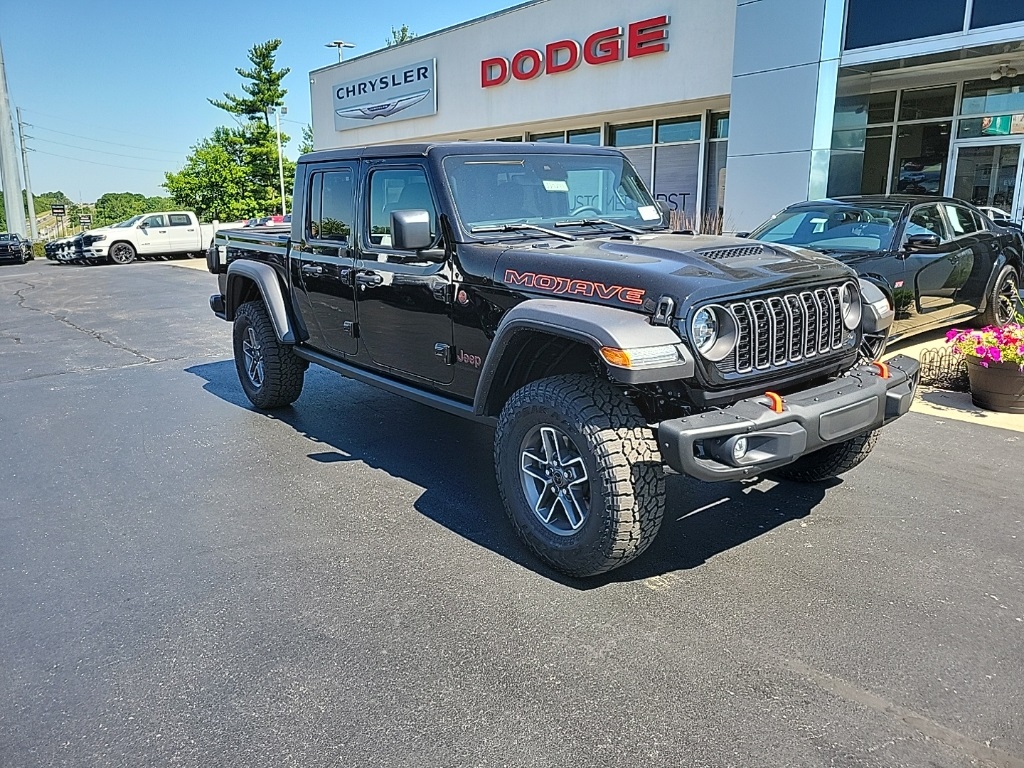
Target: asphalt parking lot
184, 581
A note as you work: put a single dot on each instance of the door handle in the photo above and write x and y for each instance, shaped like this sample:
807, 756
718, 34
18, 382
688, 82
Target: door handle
312, 269
369, 278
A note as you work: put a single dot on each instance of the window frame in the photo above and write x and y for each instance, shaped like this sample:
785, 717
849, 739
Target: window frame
364, 205
943, 238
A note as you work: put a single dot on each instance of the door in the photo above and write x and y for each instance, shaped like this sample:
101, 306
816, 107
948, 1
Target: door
403, 299
182, 233
933, 275
153, 236
989, 175
322, 261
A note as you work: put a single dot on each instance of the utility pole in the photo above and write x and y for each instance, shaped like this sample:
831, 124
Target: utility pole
28, 181
9, 160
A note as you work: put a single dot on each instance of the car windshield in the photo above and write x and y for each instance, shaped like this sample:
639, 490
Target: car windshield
128, 223
833, 227
548, 190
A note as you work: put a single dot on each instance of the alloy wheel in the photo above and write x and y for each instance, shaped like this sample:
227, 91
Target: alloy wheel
253, 353
554, 479
1007, 300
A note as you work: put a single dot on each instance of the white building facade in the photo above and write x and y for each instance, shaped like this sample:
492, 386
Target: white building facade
729, 110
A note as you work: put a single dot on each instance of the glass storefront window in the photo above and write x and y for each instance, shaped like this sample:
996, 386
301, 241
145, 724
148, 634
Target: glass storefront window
989, 13
631, 135
997, 125
921, 152
510, 138
640, 157
714, 179
679, 129
548, 138
928, 103
675, 177
982, 97
882, 107
877, 147
588, 136
876, 22
719, 125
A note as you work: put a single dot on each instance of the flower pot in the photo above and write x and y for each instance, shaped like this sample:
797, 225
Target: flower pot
999, 387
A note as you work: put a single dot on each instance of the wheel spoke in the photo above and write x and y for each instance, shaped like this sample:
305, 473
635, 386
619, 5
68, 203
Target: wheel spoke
550, 440
538, 476
538, 508
575, 512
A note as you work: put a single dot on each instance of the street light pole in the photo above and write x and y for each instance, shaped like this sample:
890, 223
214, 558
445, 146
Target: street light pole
28, 180
280, 157
341, 45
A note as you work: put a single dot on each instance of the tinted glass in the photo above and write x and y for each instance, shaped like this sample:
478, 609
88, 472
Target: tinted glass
989, 13
588, 136
714, 178
179, 220
926, 220
153, 221
720, 125
877, 148
984, 97
334, 217
928, 103
882, 107
961, 220
680, 129
631, 135
675, 177
876, 22
640, 157
833, 227
548, 138
920, 162
402, 189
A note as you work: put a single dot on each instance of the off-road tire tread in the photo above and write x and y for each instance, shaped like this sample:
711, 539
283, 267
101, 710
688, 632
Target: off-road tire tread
988, 317
830, 462
628, 458
284, 372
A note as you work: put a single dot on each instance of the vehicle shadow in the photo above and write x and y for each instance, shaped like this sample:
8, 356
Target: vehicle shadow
451, 460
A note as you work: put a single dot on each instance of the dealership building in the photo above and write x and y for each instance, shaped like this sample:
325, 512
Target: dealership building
729, 109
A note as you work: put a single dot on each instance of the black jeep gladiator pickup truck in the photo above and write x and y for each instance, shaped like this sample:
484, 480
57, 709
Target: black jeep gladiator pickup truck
536, 288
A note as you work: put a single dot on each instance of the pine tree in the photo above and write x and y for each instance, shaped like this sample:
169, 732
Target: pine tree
263, 91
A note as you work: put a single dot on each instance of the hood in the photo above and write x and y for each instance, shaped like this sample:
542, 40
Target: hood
628, 271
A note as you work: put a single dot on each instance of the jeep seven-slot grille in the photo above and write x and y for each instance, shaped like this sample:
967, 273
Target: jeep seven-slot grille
781, 330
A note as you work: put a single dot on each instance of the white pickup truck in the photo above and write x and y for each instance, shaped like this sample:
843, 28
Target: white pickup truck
149, 234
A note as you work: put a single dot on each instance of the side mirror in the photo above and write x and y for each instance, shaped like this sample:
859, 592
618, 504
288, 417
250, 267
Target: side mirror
410, 230
923, 242
742, 234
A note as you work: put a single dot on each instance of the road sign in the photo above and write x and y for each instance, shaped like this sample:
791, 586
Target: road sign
58, 210
86, 219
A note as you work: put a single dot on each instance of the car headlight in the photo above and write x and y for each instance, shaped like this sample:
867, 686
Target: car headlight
849, 305
713, 332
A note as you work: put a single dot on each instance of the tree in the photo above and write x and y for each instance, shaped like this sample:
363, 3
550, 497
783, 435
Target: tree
264, 91
401, 35
306, 145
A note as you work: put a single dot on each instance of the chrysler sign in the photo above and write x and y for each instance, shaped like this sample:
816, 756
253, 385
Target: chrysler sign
640, 38
386, 97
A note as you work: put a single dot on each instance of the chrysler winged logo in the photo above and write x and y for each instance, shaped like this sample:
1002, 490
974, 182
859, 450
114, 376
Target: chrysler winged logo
383, 108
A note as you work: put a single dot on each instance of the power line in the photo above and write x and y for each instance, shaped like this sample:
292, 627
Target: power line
93, 162
98, 141
99, 151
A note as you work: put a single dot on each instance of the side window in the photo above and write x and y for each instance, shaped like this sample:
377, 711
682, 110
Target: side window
331, 206
153, 221
179, 220
926, 220
401, 189
961, 222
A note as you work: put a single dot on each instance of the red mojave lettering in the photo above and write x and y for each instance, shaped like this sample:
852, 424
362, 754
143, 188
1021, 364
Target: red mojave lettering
565, 286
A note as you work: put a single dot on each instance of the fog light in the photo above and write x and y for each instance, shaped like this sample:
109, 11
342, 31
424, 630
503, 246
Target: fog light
739, 449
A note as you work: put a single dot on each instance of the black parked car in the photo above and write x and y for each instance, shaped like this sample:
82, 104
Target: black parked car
15, 248
939, 260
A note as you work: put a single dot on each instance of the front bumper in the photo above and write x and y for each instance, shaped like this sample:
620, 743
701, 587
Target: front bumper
701, 445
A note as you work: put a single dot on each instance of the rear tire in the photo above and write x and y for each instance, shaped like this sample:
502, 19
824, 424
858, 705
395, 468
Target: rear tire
270, 372
580, 474
831, 461
1004, 301
122, 253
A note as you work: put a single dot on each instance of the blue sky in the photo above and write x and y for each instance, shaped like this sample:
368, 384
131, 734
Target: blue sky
119, 89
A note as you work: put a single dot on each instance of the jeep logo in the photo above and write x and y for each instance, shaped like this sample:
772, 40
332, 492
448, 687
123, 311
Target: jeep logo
467, 359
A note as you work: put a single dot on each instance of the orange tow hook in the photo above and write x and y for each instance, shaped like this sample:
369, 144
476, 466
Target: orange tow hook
776, 400
882, 368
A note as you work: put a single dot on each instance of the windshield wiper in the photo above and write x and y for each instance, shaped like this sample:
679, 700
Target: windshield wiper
520, 227
597, 222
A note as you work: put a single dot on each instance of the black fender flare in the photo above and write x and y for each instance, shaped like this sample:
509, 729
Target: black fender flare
593, 325
266, 279
1013, 260
878, 306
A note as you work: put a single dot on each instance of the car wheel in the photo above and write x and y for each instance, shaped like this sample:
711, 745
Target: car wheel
830, 461
1004, 301
270, 372
580, 474
122, 253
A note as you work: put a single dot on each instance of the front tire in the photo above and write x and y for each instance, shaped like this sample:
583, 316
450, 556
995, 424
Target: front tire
122, 253
270, 372
831, 461
580, 474
1004, 301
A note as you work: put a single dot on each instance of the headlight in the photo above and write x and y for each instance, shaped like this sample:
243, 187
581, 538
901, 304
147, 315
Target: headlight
849, 305
713, 332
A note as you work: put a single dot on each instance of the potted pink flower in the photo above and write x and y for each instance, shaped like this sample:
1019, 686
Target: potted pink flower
995, 364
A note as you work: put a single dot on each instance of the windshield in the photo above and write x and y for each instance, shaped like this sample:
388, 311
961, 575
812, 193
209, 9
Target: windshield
548, 189
833, 227
128, 223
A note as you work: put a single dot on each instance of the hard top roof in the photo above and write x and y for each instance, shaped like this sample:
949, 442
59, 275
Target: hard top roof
446, 148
